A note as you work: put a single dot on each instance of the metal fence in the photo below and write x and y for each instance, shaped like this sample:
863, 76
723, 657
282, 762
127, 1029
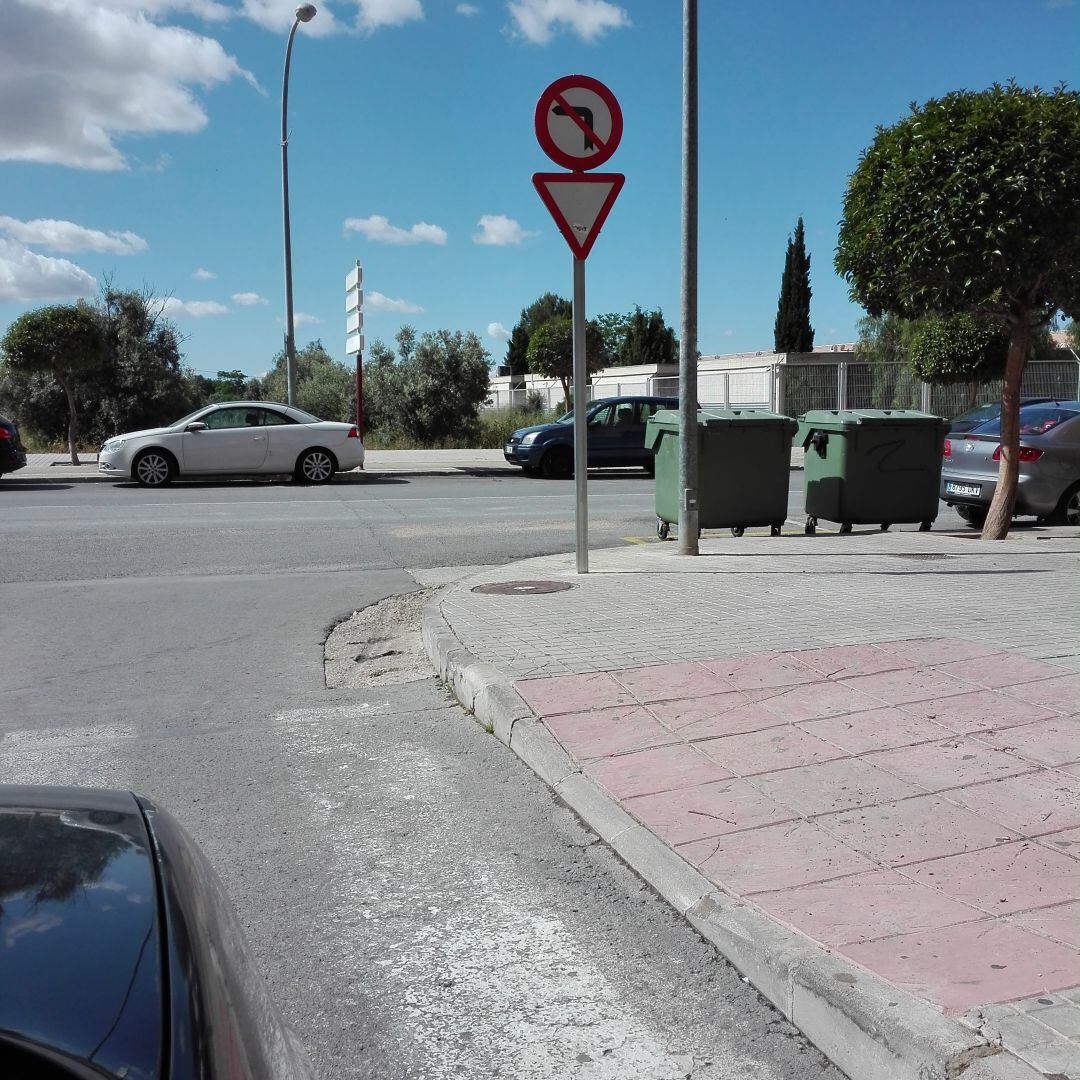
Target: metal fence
794, 388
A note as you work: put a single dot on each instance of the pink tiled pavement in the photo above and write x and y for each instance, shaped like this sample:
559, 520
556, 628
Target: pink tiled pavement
914, 804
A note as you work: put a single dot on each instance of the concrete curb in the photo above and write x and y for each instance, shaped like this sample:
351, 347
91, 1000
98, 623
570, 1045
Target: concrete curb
869, 1028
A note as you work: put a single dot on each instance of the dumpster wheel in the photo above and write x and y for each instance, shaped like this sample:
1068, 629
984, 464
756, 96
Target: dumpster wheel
885, 526
775, 530
811, 526
926, 526
662, 528
845, 527
737, 530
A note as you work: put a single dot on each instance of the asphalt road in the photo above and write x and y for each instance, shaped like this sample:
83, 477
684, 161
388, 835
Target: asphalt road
422, 906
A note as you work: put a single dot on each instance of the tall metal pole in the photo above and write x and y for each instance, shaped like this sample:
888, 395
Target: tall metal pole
688, 441
581, 437
304, 14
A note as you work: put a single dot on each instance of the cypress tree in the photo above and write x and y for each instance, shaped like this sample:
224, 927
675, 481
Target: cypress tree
793, 332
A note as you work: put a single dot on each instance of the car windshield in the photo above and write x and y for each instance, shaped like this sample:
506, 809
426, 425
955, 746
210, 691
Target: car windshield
187, 419
1034, 420
566, 418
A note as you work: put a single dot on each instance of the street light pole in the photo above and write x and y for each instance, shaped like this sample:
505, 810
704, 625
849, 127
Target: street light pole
688, 441
304, 13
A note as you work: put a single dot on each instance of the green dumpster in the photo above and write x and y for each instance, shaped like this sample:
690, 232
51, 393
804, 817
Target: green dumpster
744, 463
871, 466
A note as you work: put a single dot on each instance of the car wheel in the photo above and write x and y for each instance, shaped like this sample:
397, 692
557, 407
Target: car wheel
557, 463
154, 468
973, 515
1068, 510
315, 466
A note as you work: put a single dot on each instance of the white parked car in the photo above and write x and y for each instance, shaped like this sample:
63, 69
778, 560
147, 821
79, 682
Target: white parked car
235, 438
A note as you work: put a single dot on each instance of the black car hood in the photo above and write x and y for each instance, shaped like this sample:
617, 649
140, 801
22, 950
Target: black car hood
522, 432
80, 949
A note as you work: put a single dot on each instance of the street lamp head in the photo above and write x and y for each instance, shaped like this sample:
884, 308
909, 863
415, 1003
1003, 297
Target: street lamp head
305, 12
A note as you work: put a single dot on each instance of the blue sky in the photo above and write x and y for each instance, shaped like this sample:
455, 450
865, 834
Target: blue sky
140, 141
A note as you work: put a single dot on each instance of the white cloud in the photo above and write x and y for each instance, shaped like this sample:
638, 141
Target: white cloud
379, 230
376, 13
204, 275
302, 318
467, 9
26, 276
729, 333
375, 301
539, 20
195, 309
248, 299
66, 236
497, 331
497, 230
77, 75
278, 15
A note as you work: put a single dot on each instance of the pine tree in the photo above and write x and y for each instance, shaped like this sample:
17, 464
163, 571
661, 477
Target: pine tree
793, 332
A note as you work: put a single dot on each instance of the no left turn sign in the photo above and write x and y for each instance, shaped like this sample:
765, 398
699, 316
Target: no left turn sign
578, 122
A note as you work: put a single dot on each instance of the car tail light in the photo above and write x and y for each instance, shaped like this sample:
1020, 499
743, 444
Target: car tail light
1027, 453
4, 434
353, 433
947, 452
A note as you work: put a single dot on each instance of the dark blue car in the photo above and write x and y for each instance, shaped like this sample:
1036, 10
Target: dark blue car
616, 430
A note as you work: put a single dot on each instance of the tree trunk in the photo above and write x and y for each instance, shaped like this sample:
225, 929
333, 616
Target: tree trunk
73, 418
567, 402
999, 518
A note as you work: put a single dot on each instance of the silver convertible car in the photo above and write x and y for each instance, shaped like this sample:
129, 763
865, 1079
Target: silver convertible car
235, 438
1049, 483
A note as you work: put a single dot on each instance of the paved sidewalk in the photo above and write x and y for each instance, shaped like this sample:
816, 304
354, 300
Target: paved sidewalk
58, 467
852, 761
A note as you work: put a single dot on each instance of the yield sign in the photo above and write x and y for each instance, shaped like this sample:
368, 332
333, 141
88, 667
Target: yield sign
579, 203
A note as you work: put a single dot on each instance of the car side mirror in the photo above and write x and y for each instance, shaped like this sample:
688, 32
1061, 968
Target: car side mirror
196, 425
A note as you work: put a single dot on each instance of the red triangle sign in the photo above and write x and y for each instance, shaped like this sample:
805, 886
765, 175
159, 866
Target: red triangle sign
579, 203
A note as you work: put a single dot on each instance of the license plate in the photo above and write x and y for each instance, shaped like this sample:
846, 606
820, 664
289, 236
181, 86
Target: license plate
962, 489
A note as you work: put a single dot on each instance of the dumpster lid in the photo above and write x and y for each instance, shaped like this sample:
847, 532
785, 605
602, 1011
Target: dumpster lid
845, 418
708, 416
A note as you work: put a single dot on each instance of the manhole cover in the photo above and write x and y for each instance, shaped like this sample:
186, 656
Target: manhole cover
523, 588
923, 557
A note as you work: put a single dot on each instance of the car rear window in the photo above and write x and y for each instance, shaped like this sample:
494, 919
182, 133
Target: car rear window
1034, 420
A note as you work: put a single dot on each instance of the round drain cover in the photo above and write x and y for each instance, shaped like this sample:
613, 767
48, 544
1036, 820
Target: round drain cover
523, 588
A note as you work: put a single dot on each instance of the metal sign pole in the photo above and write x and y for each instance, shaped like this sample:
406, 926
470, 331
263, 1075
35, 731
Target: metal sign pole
581, 491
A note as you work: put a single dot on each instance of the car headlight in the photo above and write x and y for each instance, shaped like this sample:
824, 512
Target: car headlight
528, 440
112, 445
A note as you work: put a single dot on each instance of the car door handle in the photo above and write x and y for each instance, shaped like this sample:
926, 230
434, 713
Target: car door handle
258, 438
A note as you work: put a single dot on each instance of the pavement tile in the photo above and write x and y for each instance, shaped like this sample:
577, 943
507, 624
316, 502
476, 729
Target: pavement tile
833, 785
778, 856
878, 729
983, 710
844, 661
603, 732
663, 768
911, 830
1008, 878
948, 763
1062, 694
1057, 1059
763, 751
865, 906
1000, 670
1048, 742
959, 967
665, 682
572, 693
710, 717
762, 671
936, 650
706, 810
817, 700
1067, 841
1062, 923
1044, 801
1064, 1019
914, 684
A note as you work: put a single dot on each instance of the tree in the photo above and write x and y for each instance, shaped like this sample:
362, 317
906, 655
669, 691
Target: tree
229, 386
324, 387
551, 351
535, 315
60, 339
970, 205
793, 332
1074, 334
647, 339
